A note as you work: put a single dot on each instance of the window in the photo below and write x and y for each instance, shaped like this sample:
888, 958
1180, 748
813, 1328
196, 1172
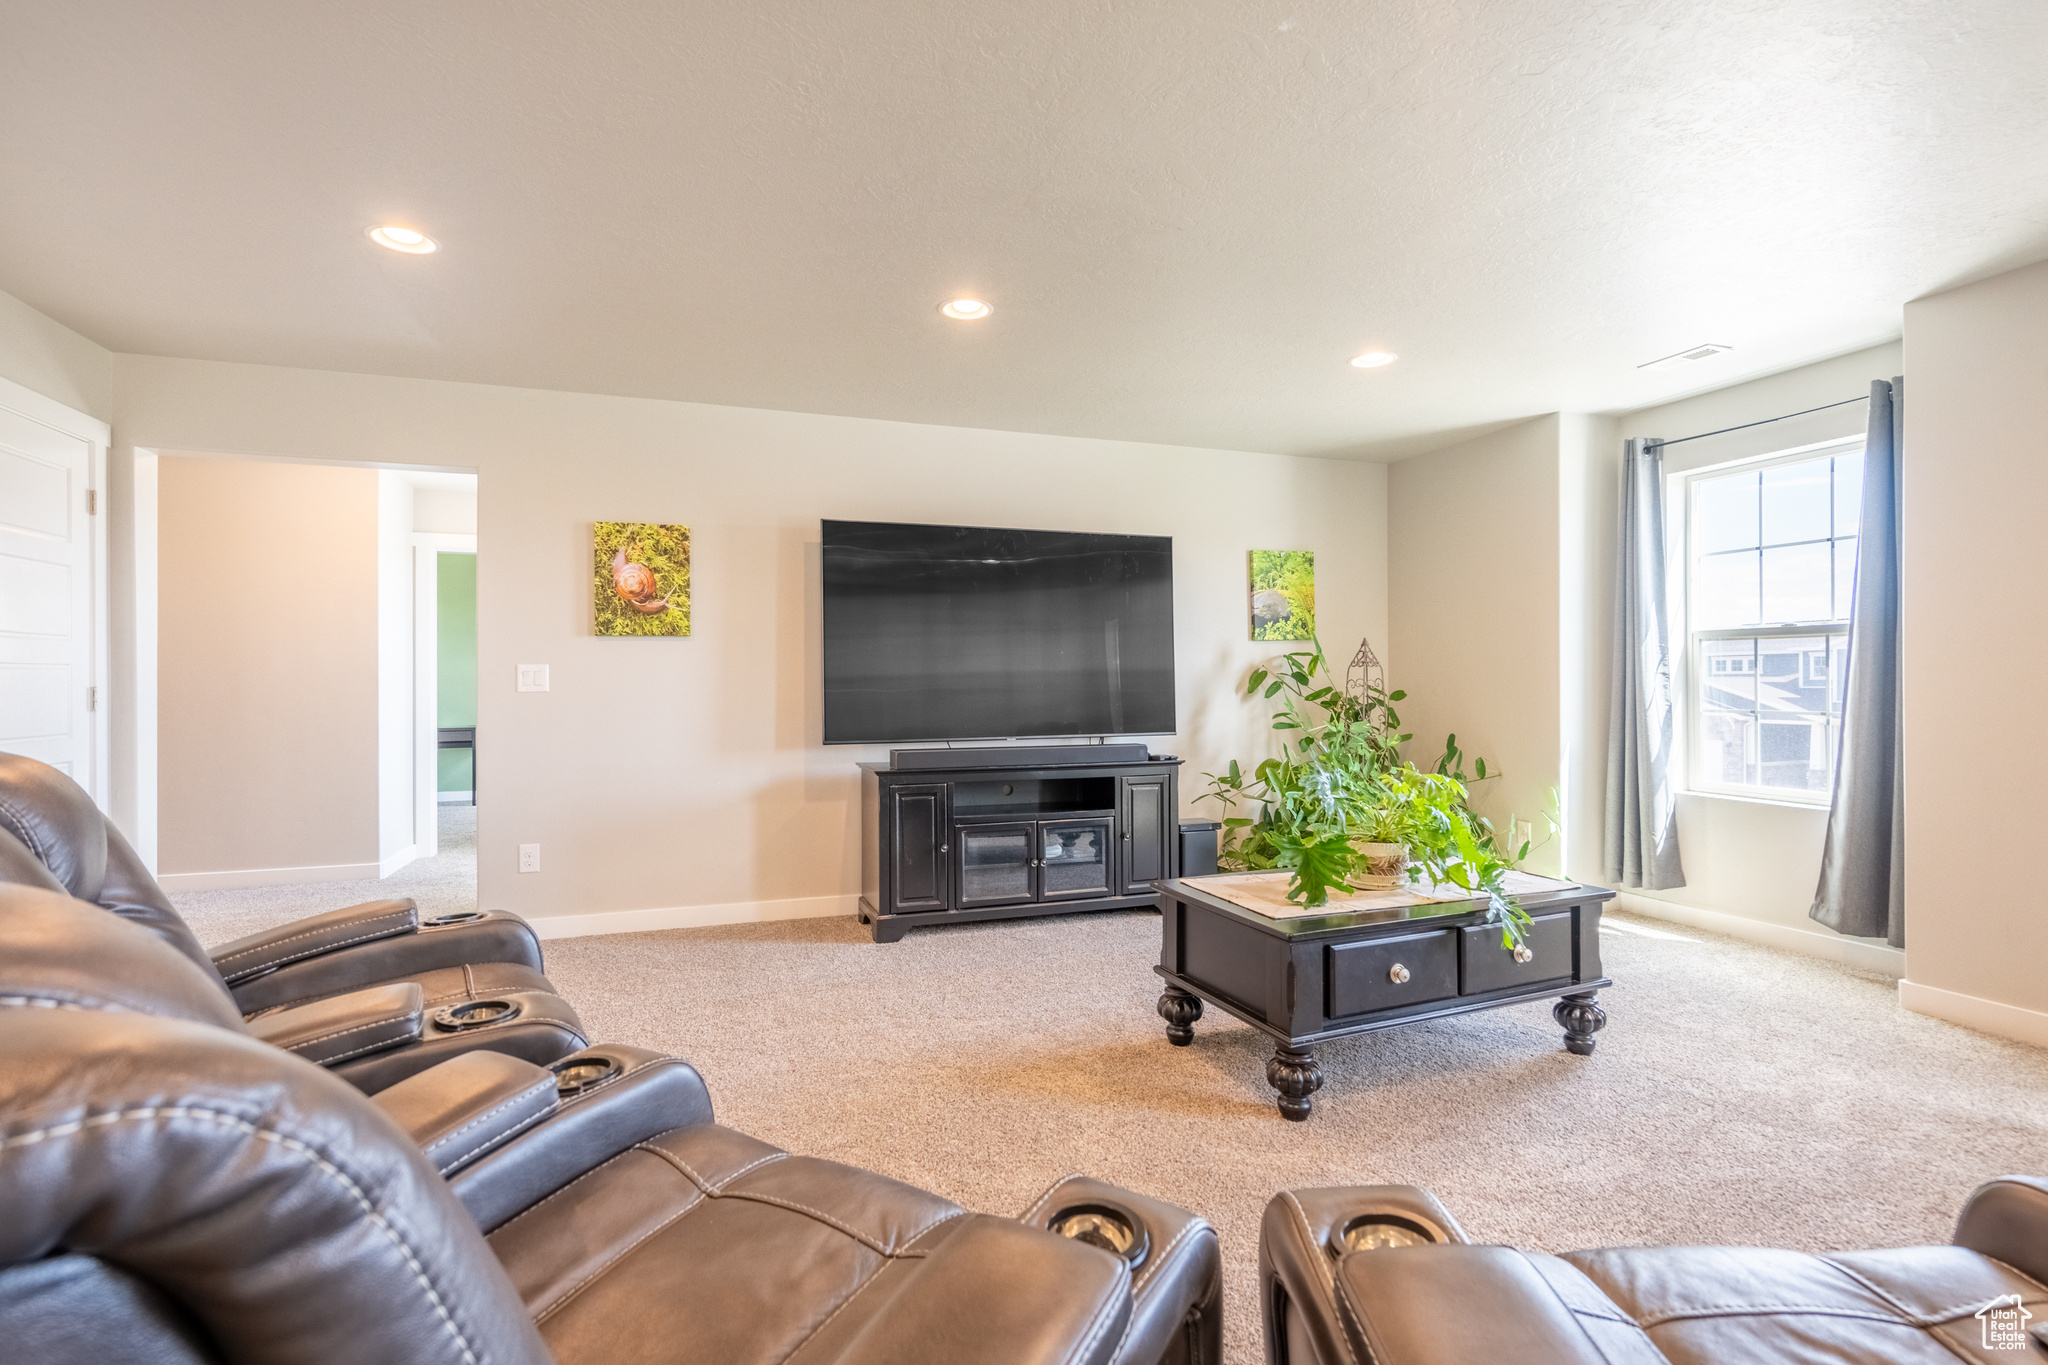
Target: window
1770, 565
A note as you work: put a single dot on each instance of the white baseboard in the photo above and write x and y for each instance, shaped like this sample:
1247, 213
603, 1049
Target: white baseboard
1971, 1011
1851, 952
455, 798
398, 860
690, 916
268, 876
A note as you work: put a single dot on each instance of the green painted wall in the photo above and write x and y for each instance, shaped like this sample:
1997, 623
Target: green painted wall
457, 662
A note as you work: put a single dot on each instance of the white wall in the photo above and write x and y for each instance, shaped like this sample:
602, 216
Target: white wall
397, 731
1754, 860
1975, 566
267, 678
1589, 496
1473, 604
40, 353
1502, 562
689, 772
444, 511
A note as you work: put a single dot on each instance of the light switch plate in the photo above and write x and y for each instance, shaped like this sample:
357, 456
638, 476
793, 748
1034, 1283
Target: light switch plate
533, 677
529, 857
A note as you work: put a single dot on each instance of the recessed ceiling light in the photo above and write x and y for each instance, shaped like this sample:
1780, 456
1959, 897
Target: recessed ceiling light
1372, 360
403, 239
1702, 351
965, 310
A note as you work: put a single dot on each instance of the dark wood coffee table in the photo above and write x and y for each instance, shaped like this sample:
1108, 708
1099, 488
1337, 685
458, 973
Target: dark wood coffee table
1306, 980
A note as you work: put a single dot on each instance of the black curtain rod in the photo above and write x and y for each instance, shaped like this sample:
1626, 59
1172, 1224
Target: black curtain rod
1860, 398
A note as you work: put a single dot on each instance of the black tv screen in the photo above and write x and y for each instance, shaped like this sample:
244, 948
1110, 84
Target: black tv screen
971, 632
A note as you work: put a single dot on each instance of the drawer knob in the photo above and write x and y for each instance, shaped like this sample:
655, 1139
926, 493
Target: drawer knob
1398, 974
1522, 953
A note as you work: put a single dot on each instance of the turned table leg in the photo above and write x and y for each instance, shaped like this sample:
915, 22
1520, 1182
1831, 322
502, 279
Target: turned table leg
1179, 1010
1581, 1019
1294, 1073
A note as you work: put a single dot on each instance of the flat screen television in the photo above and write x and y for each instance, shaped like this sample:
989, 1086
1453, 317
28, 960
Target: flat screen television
974, 632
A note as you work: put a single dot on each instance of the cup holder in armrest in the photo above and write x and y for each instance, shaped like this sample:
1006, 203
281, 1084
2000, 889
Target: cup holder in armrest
1100, 1223
454, 917
475, 1014
574, 1075
1381, 1232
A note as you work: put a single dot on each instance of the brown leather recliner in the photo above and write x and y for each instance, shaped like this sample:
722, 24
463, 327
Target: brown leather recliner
1383, 1275
172, 1192
371, 989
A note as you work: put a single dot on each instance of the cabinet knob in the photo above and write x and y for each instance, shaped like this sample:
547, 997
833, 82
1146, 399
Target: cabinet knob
945, 848
1127, 836
1522, 953
1398, 974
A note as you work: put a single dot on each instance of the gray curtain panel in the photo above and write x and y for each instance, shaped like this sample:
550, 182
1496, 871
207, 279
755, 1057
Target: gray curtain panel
1641, 844
1863, 870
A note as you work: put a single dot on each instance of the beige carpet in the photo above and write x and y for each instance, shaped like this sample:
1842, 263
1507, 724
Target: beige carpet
1738, 1094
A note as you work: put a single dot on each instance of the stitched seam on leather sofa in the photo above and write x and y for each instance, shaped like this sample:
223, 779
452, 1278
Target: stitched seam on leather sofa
1325, 1272
290, 1144
859, 1289
569, 1295
550, 1198
375, 1045
1940, 1315
2016, 1274
500, 1140
241, 973
22, 831
1138, 1285
1759, 1310
344, 1032
455, 1135
699, 1181
909, 1240
1103, 1317
724, 1190
1046, 1198
1152, 1268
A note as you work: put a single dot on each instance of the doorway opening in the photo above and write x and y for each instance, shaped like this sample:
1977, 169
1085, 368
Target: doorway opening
299, 672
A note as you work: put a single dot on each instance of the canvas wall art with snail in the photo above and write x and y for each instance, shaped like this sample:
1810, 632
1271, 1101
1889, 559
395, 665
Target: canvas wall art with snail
642, 579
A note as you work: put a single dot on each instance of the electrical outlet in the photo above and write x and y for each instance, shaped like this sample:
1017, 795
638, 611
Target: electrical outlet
529, 857
533, 677
1521, 833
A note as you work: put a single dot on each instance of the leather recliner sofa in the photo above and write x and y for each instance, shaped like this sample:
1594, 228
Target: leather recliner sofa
173, 1192
369, 989
1383, 1275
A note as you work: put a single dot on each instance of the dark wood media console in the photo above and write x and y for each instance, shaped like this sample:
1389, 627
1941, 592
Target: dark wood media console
950, 845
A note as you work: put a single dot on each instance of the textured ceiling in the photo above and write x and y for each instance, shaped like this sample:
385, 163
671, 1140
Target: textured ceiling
1188, 213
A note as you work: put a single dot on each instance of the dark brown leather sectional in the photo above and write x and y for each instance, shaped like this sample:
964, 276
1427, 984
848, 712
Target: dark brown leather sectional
369, 990
174, 1190
1383, 1275
265, 1153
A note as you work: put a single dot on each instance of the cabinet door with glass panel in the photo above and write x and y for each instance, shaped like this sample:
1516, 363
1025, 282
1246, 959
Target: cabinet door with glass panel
1770, 574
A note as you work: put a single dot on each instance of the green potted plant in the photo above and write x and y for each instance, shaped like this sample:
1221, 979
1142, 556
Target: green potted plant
1340, 810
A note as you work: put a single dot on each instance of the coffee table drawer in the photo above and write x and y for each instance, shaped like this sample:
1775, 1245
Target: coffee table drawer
1387, 973
1490, 967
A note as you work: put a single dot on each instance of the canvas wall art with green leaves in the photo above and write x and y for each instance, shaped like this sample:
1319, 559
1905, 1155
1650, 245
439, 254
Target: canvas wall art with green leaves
642, 579
1283, 594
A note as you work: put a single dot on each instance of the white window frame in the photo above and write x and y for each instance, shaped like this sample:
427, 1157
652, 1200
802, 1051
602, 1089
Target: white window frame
1688, 703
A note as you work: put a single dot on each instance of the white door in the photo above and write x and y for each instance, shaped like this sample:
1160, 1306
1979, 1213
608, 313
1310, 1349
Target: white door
48, 626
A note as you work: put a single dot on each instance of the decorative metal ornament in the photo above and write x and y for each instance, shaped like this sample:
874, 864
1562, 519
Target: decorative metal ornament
1365, 676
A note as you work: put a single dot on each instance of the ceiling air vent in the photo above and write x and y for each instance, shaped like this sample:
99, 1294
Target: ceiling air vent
1699, 352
